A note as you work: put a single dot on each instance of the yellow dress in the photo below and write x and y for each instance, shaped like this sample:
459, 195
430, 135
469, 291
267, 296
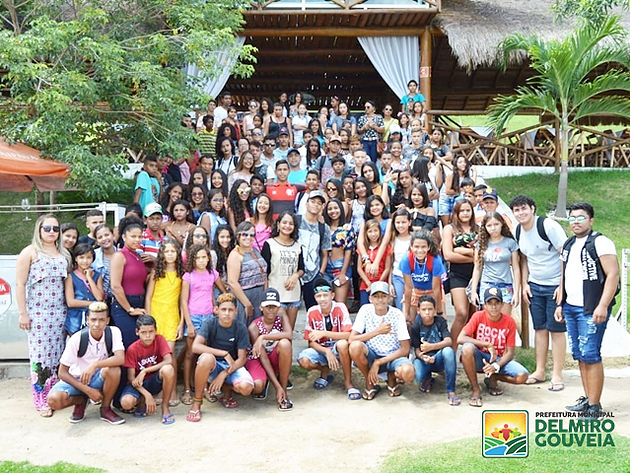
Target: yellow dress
165, 305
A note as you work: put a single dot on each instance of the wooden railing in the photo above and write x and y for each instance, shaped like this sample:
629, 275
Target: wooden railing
345, 4
535, 145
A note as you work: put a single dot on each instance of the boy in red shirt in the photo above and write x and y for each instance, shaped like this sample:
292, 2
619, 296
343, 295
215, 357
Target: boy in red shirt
488, 341
149, 371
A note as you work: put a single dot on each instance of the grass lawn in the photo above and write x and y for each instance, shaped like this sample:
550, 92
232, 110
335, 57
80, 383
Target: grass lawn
465, 456
60, 467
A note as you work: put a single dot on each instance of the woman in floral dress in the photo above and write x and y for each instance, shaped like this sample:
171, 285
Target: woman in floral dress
40, 272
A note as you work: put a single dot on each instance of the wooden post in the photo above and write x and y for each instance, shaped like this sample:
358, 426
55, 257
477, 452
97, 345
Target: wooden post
525, 324
425, 69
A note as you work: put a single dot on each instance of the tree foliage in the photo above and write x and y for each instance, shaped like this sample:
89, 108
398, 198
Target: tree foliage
86, 80
569, 83
592, 11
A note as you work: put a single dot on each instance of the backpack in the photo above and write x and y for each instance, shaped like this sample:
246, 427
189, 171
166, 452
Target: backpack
85, 333
542, 233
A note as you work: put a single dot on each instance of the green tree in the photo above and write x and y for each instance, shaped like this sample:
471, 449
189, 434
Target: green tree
86, 81
592, 11
567, 85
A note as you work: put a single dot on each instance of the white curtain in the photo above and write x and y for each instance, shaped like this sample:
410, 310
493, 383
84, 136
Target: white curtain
226, 59
396, 58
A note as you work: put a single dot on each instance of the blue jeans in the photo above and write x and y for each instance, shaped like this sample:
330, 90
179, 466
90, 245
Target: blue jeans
96, 382
444, 361
512, 368
542, 307
585, 337
364, 297
370, 149
399, 286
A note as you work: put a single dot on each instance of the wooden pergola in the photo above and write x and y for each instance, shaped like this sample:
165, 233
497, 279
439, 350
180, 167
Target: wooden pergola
311, 46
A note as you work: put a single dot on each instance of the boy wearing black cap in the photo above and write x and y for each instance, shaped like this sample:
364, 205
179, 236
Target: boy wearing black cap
488, 341
269, 358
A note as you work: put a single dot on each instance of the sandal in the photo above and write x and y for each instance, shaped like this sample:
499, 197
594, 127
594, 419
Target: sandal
230, 403
140, 412
492, 390
394, 391
212, 397
173, 403
46, 412
427, 385
285, 405
187, 397
534, 380
475, 401
321, 383
369, 394
170, 419
454, 401
555, 387
193, 416
261, 396
354, 394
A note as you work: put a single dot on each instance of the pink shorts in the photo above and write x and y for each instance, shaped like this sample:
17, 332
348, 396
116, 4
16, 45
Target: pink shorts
256, 368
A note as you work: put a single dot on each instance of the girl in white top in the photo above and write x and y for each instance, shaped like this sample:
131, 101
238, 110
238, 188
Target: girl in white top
400, 226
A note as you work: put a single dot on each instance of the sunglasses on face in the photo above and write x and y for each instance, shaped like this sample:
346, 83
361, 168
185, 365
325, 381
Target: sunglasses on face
578, 219
270, 144
49, 228
331, 189
248, 235
320, 289
244, 190
201, 235
197, 194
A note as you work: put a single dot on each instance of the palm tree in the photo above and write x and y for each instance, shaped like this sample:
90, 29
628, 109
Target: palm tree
566, 85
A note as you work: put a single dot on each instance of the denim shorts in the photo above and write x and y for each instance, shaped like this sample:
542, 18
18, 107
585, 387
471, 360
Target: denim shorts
507, 290
512, 368
390, 365
542, 307
317, 358
241, 375
446, 204
152, 384
333, 269
96, 382
196, 320
585, 337
288, 305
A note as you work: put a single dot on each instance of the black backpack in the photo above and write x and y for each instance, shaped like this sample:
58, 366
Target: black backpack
85, 335
542, 233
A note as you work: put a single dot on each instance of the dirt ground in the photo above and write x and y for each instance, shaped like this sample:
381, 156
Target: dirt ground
324, 432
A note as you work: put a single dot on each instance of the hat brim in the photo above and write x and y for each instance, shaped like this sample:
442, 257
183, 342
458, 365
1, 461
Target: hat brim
268, 303
488, 299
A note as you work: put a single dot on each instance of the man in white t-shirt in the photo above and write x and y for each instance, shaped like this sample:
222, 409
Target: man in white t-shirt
221, 112
590, 279
540, 241
379, 342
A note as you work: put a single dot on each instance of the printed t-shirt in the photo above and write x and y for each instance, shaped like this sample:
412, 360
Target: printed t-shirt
337, 321
382, 344
140, 356
501, 334
434, 333
420, 276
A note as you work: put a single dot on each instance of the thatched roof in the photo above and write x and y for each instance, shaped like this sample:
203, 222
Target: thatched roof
476, 27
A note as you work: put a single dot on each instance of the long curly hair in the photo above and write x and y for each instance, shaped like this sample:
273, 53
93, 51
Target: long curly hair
188, 243
223, 253
160, 265
192, 256
237, 205
484, 236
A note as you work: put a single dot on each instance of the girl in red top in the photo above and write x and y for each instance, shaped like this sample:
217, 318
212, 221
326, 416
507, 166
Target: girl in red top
373, 239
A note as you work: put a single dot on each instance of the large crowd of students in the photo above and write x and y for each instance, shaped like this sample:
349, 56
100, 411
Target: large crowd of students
280, 209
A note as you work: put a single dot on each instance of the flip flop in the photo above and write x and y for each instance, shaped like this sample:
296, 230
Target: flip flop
168, 419
321, 383
173, 403
193, 416
533, 380
394, 391
555, 387
369, 394
427, 385
354, 394
454, 401
187, 398
212, 397
285, 405
46, 412
475, 401
140, 412
230, 403
492, 390
261, 396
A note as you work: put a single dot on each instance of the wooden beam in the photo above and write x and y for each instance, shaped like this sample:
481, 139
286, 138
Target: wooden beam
330, 31
308, 53
339, 11
304, 68
426, 56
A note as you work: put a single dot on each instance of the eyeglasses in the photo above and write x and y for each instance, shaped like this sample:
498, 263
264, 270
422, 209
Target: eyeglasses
319, 289
578, 219
200, 235
49, 228
218, 201
387, 109
248, 235
257, 133
244, 190
196, 194
331, 189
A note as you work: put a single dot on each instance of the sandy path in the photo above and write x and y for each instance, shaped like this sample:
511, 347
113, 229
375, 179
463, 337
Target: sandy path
324, 432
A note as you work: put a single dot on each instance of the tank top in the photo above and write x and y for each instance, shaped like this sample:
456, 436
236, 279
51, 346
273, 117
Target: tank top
253, 270
284, 263
463, 240
134, 273
274, 127
263, 330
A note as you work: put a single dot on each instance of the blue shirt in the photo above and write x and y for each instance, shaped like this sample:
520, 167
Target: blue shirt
150, 189
421, 277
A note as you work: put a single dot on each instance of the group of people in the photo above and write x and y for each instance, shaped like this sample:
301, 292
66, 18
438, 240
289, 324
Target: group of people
222, 248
